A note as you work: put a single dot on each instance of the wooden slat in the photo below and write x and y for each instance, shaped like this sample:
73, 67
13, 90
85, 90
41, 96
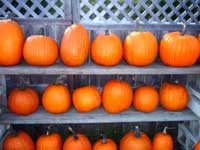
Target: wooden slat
156, 68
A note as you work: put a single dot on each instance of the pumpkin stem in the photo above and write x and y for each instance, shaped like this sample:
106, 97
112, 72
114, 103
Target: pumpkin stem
59, 79
107, 32
42, 31
165, 130
176, 81
49, 129
23, 83
137, 132
12, 130
139, 26
73, 132
184, 28
10, 15
104, 139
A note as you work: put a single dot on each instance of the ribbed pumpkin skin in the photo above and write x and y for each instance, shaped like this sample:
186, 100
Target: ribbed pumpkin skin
23, 102
107, 49
56, 99
86, 99
145, 98
130, 142
197, 146
22, 141
199, 42
82, 143
40, 50
110, 145
117, 96
173, 97
49, 142
12, 38
140, 48
179, 51
75, 45
162, 141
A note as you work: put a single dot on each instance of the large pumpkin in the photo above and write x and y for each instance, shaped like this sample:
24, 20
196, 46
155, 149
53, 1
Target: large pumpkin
74, 45
140, 48
105, 144
23, 101
18, 141
107, 49
197, 146
163, 140
40, 50
179, 50
117, 96
86, 99
12, 38
199, 42
145, 98
56, 98
173, 96
135, 141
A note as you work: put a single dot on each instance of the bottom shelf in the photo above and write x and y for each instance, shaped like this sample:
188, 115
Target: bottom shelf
97, 116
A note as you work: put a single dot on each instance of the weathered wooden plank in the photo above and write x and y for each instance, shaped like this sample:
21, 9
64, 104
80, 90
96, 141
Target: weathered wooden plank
156, 68
76, 11
3, 96
97, 116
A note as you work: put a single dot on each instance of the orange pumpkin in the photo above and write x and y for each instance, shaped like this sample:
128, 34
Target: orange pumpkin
56, 95
105, 144
179, 50
163, 141
140, 48
107, 49
49, 141
86, 99
12, 38
173, 97
199, 41
18, 141
135, 141
40, 50
74, 45
23, 101
117, 96
197, 146
145, 99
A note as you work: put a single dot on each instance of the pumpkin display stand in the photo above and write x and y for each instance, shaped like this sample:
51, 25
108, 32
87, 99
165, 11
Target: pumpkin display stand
76, 64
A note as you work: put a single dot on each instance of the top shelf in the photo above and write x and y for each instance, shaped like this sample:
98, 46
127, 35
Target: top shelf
87, 69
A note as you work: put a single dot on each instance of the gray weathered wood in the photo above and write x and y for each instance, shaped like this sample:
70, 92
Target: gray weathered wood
3, 96
156, 68
97, 116
75, 11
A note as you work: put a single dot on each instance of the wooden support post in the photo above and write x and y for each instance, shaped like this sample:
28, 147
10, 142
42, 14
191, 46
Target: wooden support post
3, 96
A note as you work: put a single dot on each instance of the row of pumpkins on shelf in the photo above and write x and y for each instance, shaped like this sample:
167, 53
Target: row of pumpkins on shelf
139, 48
116, 97
133, 140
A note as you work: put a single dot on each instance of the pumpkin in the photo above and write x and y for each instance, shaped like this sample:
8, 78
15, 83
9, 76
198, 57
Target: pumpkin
40, 50
116, 96
18, 141
197, 146
12, 38
179, 50
163, 140
145, 98
136, 140
86, 99
56, 95
74, 45
140, 48
77, 141
105, 144
173, 96
23, 101
199, 42
107, 49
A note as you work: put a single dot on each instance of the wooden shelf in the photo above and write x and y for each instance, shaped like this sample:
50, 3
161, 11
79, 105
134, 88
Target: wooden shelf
96, 116
156, 68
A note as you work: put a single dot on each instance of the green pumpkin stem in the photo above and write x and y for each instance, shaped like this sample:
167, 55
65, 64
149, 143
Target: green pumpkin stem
49, 129
104, 139
42, 31
139, 26
165, 130
73, 133
59, 79
107, 32
137, 132
184, 28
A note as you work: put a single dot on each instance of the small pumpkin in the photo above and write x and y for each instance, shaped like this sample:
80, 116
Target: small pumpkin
135, 141
163, 140
23, 101
86, 99
107, 49
179, 50
77, 141
116, 96
56, 95
197, 146
145, 98
49, 141
18, 141
12, 38
173, 96
40, 50
140, 48
105, 144
75, 45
